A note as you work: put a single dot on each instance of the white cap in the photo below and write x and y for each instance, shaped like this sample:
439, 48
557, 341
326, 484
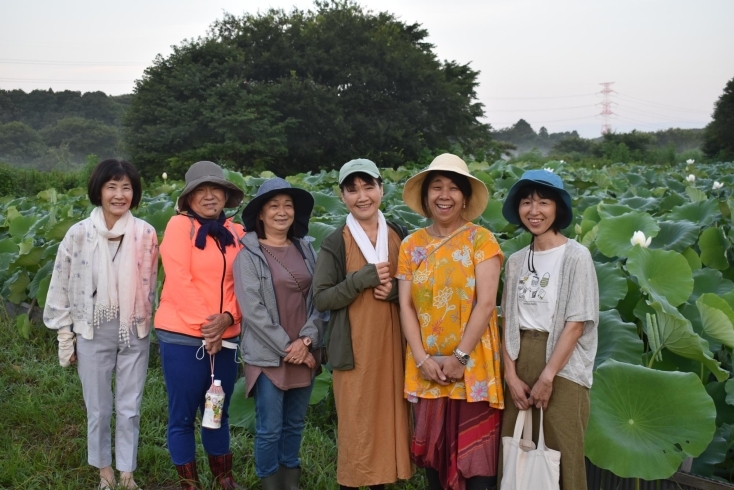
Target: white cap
217, 382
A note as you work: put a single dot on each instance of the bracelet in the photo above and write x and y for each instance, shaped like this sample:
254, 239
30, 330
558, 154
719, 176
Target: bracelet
424, 360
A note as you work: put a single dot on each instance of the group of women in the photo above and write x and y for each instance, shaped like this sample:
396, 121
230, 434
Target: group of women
407, 322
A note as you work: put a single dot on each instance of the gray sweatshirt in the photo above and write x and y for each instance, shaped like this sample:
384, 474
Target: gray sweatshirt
263, 338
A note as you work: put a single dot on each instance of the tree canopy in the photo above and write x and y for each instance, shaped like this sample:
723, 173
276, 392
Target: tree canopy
719, 134
303, 90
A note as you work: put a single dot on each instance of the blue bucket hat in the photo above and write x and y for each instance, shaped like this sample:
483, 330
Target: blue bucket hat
544, 178
302, 204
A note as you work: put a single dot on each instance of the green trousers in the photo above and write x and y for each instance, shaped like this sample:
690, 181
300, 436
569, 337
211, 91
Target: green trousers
565, 419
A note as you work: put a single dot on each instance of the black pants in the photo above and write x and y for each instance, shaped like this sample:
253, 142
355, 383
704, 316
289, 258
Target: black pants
474, 483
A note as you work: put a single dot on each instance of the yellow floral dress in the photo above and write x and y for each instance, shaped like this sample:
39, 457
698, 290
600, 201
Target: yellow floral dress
441, 271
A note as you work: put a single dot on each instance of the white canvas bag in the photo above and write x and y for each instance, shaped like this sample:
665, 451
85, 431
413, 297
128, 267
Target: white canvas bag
524, 466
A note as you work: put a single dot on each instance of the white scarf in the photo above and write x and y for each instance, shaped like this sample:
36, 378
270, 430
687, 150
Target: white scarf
116, 292
373, 254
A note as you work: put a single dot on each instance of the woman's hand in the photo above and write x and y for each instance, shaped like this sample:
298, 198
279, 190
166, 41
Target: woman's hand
542, 391
520, 393
431, 371
382, 291
310, 361
215, 326
383, 272
297, 352
213, 346
452, 369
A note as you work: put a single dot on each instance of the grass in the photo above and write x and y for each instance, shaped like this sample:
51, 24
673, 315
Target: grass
43, 427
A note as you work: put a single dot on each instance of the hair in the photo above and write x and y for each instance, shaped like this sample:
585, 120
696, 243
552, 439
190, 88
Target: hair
544, 192
461, 181
348, 182
260, 226
186, 205
113, 169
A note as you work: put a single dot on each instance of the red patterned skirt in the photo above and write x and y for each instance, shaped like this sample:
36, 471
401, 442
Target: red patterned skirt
457, 438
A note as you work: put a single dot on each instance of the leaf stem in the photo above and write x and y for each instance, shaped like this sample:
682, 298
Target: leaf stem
654, 355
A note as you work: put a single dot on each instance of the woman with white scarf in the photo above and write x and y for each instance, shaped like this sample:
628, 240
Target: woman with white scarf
100, 301
354, 280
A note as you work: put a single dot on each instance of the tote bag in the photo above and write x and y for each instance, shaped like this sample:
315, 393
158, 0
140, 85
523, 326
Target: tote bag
525, 467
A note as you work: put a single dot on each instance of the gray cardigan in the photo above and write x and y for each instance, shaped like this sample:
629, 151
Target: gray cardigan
263, 338
578, 301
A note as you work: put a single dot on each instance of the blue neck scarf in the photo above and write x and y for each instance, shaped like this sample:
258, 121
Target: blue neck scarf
215, 228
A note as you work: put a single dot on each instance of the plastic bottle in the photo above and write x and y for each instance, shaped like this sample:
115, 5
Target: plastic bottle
213, 407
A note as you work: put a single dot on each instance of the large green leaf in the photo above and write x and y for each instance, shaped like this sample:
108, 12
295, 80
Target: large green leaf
42, 273
58, 230
677, 335
492, 216
612, 284
21, 225
694, 261
319, 231
661, 273
31, 259
14, 289
512, 245
23, 324
675, 235
709, 281
715, 453
328, 203
241, 408
7, 245
717, 318
645, 422
43, 286
321, 386
617, 340
615, 233
713, 245
703, 212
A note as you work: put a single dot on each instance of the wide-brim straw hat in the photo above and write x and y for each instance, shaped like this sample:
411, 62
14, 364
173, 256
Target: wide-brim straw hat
543, 178
302, 205
209, 173
447, 163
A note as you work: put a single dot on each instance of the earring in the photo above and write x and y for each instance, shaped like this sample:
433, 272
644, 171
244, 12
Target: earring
464, 205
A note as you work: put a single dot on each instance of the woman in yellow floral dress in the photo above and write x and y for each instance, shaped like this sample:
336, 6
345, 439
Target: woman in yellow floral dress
448, 275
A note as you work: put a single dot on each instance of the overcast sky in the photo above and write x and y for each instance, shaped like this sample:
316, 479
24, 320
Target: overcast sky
539, 60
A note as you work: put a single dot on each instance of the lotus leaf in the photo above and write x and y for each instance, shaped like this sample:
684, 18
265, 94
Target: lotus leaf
703, 212
42, 273
23, 324
319, 231
715, 452
661, 273
670, 201
675, 235
43, 291
694, 261
21, 225
31, 259
612, 285
512, 245
717, 318
695, 195
645, 422
713, 245
677, 335
14, 287
709, 281
7, 245
492, 216
617, 340
610, 210
615, 232
59, 229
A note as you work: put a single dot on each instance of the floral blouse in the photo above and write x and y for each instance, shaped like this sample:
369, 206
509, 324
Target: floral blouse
442, 278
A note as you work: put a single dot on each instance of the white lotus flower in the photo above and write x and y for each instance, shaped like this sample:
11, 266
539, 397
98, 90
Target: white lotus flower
549, 170
561, 161
690, 161
717, 186
691, 178
165, 176
638, 238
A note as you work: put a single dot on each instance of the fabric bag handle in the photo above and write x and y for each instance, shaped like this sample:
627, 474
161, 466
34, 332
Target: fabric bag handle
524, 426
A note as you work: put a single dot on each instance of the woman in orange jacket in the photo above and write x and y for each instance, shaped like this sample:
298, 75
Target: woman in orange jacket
198, 321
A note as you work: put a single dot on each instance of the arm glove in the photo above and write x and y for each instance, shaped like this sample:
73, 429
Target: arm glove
67, 339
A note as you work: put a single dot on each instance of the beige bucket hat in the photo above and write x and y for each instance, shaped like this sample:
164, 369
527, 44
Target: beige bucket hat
447, 163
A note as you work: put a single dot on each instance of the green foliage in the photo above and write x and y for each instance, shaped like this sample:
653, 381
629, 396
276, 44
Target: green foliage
84, 137
719, 134
20, 142
303, 90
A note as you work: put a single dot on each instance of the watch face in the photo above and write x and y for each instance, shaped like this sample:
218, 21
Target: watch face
307, 341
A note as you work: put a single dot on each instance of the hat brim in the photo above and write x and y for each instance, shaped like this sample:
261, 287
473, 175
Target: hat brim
303, 203
474, 208
236, 195
510, 206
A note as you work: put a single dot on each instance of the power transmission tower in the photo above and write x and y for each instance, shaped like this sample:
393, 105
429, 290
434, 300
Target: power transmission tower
606, 107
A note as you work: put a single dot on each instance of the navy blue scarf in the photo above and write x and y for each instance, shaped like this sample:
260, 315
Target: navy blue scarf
214, 228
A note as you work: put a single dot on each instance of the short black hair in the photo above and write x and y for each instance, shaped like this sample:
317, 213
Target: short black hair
260, 226
113, 169
461, 181
543, 192
367, 178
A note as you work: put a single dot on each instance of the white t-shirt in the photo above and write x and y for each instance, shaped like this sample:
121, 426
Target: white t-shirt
537, 292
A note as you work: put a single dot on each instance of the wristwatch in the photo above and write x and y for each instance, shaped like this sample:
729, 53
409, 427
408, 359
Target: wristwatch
306, 341
463, 357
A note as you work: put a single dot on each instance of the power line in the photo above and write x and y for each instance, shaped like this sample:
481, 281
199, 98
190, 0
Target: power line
542, 110
661, 105
653, 114
537, 98
62, 81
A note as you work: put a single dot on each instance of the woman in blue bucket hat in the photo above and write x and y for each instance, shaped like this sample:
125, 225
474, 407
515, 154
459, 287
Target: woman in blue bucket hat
551, 312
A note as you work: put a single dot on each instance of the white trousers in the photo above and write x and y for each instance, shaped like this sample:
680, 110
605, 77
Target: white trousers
97, 359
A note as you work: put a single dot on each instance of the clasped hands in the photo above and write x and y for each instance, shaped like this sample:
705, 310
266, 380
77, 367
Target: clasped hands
524, 397
213, 330
442, 370
383, 289
298, 353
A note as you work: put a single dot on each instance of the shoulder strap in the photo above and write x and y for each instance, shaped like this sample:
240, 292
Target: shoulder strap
398, 228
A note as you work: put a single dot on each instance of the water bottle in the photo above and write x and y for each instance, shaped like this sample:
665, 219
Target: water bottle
213, 407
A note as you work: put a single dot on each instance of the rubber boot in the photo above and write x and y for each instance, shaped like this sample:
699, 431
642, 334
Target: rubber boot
188, 476
221, 467
272, 482
290, 477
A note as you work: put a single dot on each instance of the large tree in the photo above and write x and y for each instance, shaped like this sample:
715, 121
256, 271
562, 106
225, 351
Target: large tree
719, 134
301, 91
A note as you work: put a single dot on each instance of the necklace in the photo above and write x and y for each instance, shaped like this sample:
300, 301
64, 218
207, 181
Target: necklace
436, 234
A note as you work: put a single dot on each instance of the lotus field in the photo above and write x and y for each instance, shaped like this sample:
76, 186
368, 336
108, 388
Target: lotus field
661, 238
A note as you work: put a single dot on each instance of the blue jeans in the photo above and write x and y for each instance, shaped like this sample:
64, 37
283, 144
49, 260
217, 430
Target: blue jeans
187, 381
279, 421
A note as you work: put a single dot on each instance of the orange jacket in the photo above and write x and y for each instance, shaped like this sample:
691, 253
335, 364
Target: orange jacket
198, 283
